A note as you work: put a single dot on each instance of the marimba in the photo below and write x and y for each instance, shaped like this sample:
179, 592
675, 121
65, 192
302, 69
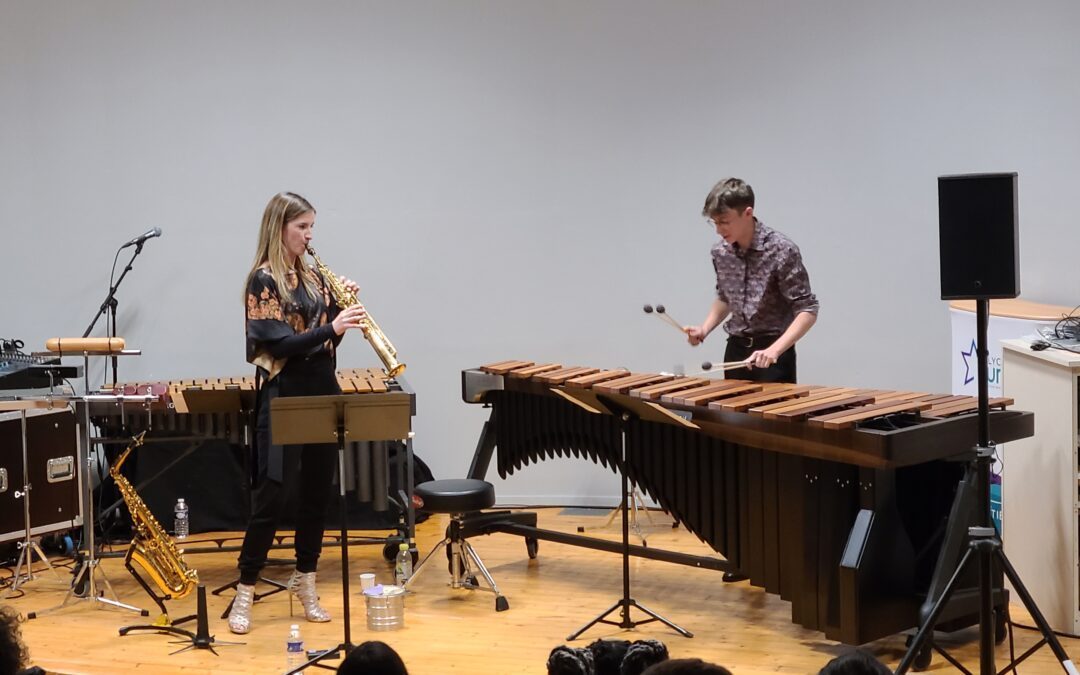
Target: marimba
836, 498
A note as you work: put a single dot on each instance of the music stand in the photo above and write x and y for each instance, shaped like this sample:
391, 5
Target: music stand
296, 420
626, 410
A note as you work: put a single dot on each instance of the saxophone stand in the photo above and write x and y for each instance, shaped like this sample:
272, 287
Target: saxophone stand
200, 639
84, 584
984, 551
626, 411
296, 420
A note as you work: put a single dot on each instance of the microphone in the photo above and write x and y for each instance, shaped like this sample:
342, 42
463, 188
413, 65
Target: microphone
138, 241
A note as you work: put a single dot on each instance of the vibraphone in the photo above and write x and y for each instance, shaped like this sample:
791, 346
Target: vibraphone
836, 498
218, 407
190, 412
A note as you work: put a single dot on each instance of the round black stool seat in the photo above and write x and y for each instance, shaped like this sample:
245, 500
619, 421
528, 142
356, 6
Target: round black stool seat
455, 495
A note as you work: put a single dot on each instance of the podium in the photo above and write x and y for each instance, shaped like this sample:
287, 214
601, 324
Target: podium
296, 420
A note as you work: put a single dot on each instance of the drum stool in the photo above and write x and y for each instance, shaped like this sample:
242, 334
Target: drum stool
463, 499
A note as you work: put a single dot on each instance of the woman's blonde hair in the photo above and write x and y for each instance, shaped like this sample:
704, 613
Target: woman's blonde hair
282, 208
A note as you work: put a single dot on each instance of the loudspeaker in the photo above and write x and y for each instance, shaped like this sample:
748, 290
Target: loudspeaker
979, 236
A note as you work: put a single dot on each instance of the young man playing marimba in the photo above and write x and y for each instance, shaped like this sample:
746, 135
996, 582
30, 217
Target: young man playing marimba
762, 288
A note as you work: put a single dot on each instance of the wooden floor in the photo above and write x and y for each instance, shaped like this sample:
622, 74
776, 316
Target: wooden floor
448, 631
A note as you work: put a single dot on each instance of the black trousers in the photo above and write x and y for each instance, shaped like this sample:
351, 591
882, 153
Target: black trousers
739, 348
306, 469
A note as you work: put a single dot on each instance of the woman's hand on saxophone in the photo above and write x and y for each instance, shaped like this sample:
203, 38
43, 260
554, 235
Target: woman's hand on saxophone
349, 284
349, 318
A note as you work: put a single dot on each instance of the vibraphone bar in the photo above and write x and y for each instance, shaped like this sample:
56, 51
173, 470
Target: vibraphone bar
836, 498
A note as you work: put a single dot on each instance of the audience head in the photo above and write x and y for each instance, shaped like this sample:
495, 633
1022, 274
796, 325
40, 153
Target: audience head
686, 667
565, 660
855, 662
608, 655
373, 658
12, 651
641, 655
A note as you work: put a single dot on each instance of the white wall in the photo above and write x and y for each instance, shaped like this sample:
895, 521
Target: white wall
514, 179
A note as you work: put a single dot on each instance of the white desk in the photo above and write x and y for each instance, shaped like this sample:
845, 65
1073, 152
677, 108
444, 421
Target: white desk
1040, 480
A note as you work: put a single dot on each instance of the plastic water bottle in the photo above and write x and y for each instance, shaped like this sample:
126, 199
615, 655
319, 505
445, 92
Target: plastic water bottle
402, 565
294, 648
181, 524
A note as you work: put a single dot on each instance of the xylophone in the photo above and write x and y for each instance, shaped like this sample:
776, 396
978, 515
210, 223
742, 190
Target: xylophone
836, 498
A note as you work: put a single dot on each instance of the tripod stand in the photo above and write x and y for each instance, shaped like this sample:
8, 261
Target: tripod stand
28, 546
636, 503
321, 419
984, 547
626, 414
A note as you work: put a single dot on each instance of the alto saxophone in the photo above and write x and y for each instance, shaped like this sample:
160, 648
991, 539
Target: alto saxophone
150, 546
343, 298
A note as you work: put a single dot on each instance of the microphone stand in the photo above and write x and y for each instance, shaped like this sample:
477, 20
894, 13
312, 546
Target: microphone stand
109, 304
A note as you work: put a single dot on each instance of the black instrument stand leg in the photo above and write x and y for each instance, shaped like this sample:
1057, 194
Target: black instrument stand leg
278, 587
626, 602
200, 639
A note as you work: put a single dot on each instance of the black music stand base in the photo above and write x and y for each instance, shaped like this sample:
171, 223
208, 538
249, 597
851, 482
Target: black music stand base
346, 646
627, 623
626, 602
984, 549
200, 639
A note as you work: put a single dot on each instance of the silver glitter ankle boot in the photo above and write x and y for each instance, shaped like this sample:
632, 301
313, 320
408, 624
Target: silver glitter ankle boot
240, 614
302, 585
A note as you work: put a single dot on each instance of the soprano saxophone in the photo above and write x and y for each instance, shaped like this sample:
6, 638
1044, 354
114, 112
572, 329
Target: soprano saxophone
343, 298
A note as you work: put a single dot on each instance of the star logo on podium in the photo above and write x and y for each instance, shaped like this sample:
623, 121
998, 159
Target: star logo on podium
968, 377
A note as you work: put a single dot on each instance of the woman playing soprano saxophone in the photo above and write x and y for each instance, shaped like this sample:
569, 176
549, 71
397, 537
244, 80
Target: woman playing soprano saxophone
293, 329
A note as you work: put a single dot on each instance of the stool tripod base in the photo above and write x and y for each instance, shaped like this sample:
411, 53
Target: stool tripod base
462, 556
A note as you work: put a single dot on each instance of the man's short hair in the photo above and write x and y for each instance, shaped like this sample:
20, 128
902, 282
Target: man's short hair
729, 194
